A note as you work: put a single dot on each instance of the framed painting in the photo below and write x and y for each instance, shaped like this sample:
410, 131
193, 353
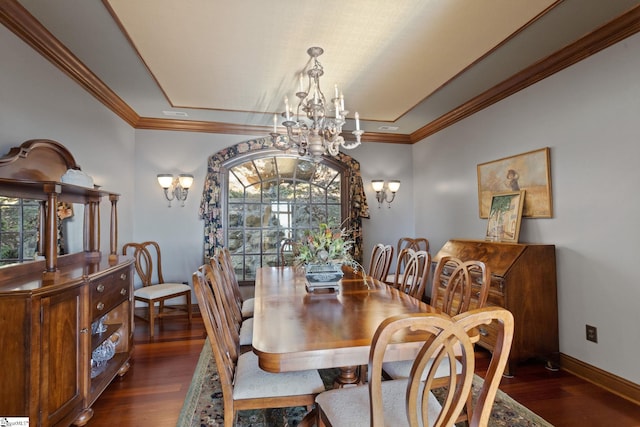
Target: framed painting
505, 214
528, 171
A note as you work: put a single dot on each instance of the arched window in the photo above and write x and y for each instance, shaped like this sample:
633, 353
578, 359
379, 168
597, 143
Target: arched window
254, 195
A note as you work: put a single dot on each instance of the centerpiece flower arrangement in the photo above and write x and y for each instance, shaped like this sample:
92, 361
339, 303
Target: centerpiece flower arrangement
325, 246
323, 253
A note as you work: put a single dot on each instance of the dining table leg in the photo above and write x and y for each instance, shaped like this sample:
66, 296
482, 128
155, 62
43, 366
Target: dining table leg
348, 376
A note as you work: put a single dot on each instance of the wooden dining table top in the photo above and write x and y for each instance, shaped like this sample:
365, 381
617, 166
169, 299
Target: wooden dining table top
296, 330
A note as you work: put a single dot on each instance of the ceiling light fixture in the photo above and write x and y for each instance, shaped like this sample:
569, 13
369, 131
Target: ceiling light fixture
319, 132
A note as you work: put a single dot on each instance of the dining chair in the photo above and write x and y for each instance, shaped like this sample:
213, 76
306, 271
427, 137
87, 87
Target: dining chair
215, 273
413, 280
287, 252
381, 258
154, 289
457, 288
415, 243
460, 286
244, 384
246, 304
409, 401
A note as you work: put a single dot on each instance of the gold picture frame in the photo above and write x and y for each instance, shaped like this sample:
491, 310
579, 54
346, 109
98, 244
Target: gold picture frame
505, 215
527, 171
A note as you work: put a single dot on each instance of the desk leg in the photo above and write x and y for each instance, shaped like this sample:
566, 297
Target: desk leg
348, 376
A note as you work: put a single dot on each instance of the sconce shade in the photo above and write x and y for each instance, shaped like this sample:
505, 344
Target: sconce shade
377, 185
394, 185
165, 180
185, 180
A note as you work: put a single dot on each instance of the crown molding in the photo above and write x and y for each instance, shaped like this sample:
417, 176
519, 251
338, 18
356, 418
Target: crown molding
618, 29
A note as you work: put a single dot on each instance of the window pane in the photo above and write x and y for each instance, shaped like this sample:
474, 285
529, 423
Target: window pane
236, 190
254, 215
302, 192
333, 193
252, 241
18, 229
10, 218
235, 217
252, 193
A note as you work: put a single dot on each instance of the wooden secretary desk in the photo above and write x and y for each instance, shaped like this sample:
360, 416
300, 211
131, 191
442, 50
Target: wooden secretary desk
56, 312
523, 280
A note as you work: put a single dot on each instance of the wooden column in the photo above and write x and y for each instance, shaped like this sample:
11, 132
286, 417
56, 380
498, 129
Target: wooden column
113, 243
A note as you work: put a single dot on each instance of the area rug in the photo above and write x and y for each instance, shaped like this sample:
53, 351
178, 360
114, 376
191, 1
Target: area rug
203, 404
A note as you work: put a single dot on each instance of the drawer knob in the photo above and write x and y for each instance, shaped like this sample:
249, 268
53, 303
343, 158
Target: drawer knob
123, 291
483, 332
100, 288
100, 306
84, 330
123, 276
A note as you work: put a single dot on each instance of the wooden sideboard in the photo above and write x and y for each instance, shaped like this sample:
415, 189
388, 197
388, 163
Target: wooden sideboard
523, 280
57, 310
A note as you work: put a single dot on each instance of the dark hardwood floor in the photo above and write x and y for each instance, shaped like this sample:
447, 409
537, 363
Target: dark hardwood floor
152, 392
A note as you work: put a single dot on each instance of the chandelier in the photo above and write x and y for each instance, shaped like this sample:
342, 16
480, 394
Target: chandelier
316, 126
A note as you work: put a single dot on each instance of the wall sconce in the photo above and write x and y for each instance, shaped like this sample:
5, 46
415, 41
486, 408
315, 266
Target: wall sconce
381, 187
175, 187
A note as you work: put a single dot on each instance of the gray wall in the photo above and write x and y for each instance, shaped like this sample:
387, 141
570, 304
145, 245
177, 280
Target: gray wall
588, 115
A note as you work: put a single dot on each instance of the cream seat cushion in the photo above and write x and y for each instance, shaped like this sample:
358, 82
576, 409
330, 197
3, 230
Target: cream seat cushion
349, 407
402, 369
161, 290
251, 382
247, 307
246, 332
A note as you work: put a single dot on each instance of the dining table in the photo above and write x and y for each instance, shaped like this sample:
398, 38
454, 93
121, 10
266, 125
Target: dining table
294, 329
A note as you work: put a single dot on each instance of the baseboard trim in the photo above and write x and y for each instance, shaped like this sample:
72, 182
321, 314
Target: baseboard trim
613, 383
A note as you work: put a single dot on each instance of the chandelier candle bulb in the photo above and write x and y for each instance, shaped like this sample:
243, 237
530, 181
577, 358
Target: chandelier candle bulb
301, 83
341, 101
286, 108
336, 88
275, 123
357, 121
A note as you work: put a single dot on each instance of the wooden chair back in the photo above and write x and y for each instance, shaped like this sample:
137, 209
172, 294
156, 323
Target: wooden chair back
417, 244
287, 252
146, 254
216, 275
416, 270
226, 264
447, 337
224, 345
460, 286
381, 258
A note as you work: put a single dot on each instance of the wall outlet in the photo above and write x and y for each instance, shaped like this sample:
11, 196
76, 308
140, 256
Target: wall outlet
592, 333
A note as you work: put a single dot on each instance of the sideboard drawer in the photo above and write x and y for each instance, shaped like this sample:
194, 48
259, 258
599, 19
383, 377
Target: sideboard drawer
488, 334
109, 291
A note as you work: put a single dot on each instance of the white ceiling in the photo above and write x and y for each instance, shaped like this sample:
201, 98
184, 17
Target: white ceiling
400, 63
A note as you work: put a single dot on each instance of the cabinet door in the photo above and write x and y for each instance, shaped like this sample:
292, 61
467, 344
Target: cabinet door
60, 388
15, 339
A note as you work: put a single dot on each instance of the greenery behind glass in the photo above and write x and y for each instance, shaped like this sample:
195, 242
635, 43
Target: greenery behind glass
273, 198
18, 229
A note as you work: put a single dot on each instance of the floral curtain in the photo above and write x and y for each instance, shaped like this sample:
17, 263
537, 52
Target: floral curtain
210, 205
